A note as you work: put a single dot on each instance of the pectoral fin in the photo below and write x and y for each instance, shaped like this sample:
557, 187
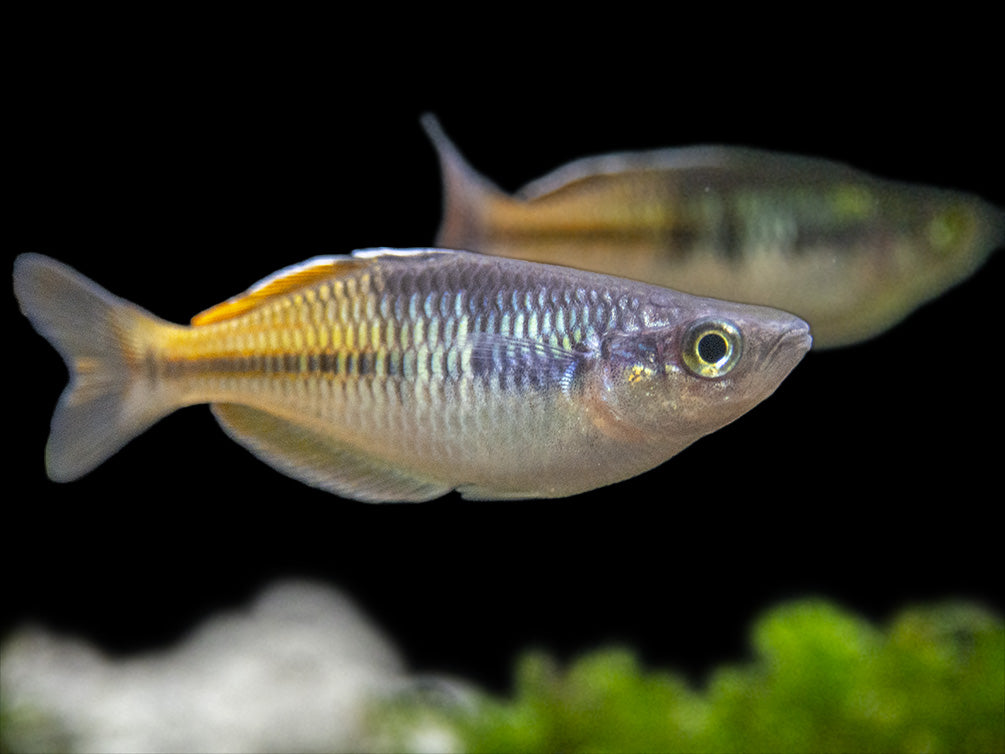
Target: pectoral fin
526, 361
321, 461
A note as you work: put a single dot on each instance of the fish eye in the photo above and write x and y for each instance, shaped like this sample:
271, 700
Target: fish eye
950, 227
712, 347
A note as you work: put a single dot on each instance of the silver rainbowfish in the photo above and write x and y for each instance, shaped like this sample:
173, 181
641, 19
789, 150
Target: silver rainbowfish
850, 253
401, 375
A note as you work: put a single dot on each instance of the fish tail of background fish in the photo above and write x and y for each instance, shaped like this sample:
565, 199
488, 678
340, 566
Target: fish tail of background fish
469, 198
105, 342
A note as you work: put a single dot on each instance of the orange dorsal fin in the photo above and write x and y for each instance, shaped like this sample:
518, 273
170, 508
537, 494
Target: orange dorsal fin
278, 284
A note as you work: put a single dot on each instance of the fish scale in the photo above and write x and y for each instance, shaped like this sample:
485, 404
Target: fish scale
369, 401
400, 375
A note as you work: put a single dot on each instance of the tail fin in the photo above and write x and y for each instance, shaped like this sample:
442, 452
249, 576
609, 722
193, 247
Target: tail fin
104, 341
467, 194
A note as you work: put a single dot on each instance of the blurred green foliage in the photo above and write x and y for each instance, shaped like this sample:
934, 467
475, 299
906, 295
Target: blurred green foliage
821, 680
44, 732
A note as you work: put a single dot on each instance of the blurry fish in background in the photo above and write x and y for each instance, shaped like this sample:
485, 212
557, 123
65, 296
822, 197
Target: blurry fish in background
850, 253
396, 375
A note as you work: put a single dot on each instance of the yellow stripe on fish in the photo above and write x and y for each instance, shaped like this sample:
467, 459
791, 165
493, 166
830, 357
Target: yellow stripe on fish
849, 253
401, 375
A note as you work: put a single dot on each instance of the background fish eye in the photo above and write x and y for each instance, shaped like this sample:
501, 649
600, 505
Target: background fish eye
949, 226
712, 348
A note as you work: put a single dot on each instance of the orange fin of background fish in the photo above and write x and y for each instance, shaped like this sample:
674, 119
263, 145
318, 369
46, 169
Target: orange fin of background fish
315, 458
280, 284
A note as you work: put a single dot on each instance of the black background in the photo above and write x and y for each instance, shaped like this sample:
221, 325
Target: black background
176, 161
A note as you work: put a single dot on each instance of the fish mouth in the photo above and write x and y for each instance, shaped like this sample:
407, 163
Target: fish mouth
791, 345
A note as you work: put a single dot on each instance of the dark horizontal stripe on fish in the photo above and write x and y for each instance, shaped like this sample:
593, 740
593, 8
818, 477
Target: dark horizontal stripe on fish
728, 238
512, 363
348, 364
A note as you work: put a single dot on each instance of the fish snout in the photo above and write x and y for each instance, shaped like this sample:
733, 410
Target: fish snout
789, 346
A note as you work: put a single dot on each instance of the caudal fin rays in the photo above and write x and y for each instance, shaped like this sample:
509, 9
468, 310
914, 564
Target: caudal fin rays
102, 339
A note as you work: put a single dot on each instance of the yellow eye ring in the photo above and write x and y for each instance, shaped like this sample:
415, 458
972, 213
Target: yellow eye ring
712, 347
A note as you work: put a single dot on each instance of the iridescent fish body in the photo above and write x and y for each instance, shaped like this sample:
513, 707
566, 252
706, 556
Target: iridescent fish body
401, 375
849, 253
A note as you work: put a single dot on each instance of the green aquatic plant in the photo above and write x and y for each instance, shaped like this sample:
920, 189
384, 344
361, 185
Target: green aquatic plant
821, 679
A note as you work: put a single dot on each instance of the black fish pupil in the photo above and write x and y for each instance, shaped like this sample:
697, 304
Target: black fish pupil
712, 347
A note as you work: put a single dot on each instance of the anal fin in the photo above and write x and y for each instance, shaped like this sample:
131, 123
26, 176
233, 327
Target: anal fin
321, 461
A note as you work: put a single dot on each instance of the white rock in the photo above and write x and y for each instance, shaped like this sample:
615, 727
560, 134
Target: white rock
294, 672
